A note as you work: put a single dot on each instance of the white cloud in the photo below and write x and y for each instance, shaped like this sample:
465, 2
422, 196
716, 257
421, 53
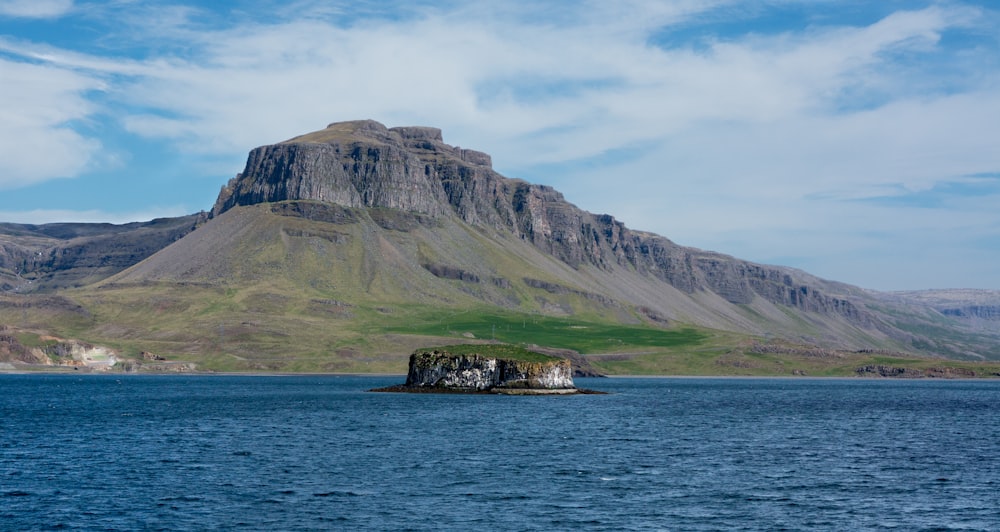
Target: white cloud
255, 84
809, 190
35, 8
38, 103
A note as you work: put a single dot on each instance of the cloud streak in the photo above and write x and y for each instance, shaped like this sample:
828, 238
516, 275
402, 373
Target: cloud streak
35, 8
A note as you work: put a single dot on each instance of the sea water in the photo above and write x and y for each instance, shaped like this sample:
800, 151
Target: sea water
296, 453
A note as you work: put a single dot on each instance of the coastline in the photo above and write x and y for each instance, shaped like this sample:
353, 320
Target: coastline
68, 371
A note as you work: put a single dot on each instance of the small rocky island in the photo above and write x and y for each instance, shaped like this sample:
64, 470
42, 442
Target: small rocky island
491, 368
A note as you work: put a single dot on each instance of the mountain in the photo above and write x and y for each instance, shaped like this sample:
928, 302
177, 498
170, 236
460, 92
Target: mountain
345, 248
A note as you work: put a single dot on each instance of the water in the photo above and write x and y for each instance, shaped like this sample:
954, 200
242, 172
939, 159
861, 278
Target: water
292, 453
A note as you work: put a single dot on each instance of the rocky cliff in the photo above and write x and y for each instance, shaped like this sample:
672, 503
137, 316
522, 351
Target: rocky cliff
356, 164
441, 369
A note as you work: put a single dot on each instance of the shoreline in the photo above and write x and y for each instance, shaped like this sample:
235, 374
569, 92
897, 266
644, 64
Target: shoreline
57, 370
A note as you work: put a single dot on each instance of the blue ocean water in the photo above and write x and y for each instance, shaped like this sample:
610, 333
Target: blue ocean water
297, 453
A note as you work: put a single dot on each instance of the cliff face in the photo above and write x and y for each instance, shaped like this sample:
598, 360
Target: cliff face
356, 164
365, 164
475, 372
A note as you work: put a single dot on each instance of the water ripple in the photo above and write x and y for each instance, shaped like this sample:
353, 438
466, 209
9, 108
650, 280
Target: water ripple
321, 453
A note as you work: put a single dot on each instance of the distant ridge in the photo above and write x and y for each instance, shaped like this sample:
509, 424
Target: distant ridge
64, 255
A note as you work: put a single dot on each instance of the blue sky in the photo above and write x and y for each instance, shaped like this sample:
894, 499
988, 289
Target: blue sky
857, 140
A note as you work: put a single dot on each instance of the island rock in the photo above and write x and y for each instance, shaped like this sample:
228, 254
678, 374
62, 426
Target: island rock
441, 370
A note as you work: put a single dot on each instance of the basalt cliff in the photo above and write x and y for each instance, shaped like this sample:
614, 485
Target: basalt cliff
441, 371
360, 239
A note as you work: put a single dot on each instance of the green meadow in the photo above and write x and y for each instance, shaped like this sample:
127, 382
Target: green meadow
585, 337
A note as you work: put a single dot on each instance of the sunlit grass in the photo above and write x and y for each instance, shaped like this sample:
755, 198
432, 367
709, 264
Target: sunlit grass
526, 329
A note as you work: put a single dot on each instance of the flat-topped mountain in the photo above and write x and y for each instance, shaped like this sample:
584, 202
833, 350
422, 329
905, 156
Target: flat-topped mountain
360, 239
366, 165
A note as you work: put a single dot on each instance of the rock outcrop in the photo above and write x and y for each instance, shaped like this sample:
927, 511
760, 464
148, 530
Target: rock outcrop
442, 371
476, 372
52, 351
881, 370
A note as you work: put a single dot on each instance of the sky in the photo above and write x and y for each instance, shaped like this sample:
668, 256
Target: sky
856, 140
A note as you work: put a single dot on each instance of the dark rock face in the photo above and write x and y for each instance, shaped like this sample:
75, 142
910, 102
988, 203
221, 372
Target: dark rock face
880, 370
889, 371
352, 176
438, 369
319, 212
982, 312
365, 164
450, 272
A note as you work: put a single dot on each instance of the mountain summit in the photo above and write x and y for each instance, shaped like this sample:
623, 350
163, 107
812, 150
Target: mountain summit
356, 164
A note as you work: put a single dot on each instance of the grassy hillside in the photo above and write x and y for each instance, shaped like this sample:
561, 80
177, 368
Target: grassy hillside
312, 287
253, 330
583, 336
